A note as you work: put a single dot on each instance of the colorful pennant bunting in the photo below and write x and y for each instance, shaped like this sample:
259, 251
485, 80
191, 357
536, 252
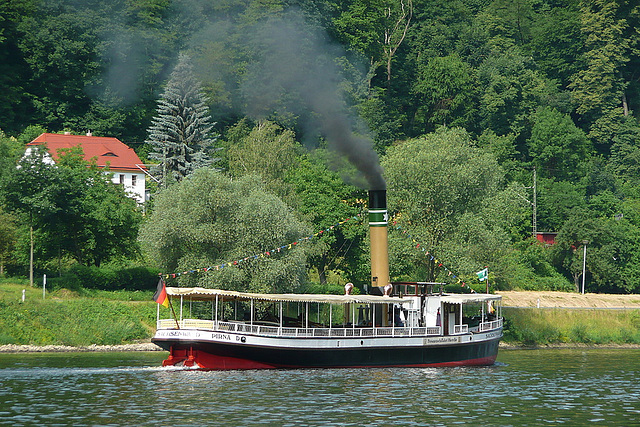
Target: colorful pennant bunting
303, 239
431, 257
260, 255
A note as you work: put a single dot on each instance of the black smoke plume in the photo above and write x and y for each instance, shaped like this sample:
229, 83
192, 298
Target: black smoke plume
296, 74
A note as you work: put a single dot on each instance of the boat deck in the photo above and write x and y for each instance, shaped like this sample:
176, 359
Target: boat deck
277, 331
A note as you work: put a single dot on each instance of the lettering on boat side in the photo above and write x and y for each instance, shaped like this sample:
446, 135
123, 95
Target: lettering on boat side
219, 336
241, 338
178, 333
442, 340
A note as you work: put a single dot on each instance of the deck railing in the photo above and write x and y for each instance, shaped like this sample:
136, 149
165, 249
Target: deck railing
487, 326
277, 331
461, 329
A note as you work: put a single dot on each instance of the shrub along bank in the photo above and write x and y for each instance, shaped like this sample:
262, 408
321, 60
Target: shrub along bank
80, 277
549, 326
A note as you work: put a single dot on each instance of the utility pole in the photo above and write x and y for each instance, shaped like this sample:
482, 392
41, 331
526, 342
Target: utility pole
584, 263
31, 256
535, 205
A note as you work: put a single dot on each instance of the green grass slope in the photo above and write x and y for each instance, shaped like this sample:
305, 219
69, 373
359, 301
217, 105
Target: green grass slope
68, 318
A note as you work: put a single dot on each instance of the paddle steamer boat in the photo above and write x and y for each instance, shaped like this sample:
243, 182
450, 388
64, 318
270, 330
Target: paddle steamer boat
401, 324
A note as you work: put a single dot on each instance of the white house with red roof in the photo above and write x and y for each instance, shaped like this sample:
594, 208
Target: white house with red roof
111, 153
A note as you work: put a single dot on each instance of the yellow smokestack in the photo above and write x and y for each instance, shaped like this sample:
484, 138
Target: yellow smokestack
378, 219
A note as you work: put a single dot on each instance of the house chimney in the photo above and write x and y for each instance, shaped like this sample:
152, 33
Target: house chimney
88, 133
67, 132
378, 218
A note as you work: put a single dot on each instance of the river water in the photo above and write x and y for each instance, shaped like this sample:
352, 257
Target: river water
525, 387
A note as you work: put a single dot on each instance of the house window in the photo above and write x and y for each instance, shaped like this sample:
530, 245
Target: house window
122, 179
133, 180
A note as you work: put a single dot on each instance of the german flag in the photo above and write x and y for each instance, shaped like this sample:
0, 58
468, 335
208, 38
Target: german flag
161, 294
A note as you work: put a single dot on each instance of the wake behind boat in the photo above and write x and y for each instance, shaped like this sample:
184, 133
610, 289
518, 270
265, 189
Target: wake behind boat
404, 324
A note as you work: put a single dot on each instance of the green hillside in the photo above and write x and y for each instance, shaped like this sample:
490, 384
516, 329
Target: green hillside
264, 123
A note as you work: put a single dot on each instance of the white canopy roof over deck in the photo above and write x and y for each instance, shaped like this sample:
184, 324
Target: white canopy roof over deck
469, 298
210, 294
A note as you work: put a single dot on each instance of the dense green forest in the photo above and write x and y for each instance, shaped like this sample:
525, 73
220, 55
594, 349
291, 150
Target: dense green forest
487, 121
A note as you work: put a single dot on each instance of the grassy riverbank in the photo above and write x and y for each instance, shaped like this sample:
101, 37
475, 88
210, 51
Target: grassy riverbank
74, 318
551, 326
86, 318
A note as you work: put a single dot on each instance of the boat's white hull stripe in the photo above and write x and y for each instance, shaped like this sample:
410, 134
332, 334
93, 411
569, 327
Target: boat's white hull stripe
193, 335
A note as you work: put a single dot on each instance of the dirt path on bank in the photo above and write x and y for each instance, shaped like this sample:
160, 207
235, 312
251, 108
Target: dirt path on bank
568, 300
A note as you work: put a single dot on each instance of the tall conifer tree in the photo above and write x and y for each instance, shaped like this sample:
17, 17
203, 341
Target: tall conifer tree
181, 132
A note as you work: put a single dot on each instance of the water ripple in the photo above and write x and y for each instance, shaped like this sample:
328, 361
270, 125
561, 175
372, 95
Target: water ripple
555, 387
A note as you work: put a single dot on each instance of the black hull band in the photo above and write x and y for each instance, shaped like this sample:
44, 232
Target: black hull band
209, 355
